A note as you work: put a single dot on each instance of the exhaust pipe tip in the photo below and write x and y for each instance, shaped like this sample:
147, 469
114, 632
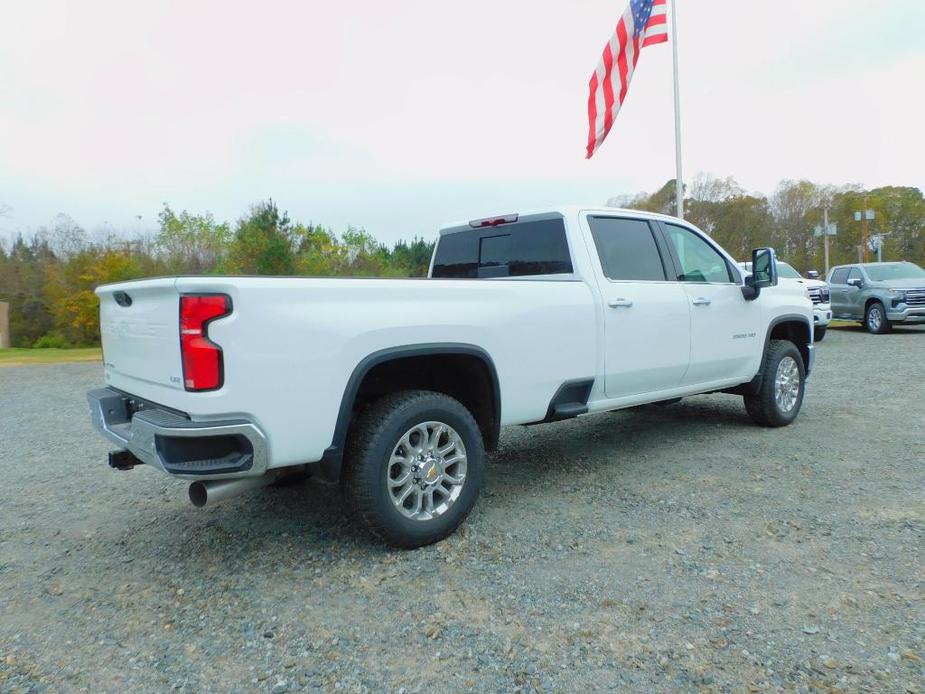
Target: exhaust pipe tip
208, 492
198, 494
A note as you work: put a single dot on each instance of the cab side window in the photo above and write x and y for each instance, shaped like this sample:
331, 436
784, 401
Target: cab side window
700, 262
839, 276
855, 274
627, 249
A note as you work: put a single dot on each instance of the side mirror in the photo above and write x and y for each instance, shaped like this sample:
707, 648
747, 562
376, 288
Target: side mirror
764, 268
764, 273
813, 274
855, 282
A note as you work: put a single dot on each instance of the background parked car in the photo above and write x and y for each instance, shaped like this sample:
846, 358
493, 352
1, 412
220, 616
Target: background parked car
878, 294
818, 293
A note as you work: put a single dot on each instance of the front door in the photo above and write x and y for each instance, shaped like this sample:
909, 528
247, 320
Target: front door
854, 297
725, 327
646, 315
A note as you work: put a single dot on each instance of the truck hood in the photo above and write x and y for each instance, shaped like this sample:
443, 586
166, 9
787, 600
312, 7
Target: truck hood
813, 284
899, 284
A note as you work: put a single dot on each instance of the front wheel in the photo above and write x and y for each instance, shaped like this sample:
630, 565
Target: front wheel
413, 467
819, 333
875, 319
780, 395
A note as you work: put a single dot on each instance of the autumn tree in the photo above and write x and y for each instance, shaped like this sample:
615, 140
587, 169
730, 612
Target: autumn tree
319, 253
70, 289
262, 243
191, 244
22, 281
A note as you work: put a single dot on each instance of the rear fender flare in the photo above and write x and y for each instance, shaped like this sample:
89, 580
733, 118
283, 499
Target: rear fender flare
333, 455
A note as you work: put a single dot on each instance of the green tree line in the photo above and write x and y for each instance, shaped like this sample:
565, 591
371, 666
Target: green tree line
49, 278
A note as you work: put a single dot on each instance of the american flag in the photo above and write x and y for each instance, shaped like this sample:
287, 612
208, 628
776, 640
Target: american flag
644, 23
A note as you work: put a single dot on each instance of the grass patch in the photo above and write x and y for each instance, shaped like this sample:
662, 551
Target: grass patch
21, 357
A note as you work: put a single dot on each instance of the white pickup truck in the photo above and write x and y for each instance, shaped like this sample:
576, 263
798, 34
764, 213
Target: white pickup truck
398, 387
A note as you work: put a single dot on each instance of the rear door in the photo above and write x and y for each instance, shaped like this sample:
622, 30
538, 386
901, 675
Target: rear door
838, 289
646, 316
139, 325
725, 327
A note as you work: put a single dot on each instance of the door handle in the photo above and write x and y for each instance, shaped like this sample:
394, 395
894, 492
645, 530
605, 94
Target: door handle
617, 303
701, 301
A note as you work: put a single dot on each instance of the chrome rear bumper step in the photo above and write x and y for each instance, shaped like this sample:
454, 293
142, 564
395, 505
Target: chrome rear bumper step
175, 444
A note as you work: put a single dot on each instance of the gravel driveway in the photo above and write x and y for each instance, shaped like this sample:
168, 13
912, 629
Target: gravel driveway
657, 549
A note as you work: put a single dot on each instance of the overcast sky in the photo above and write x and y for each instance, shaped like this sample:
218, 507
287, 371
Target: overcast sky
397, 116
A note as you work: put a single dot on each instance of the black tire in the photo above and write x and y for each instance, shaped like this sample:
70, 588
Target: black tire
763, 407
371, 441
819, 333
876, 325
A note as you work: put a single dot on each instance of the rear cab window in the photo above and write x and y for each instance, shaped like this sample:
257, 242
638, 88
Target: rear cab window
533, 245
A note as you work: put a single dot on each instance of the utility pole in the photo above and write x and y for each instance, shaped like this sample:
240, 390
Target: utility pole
864, 216
825, 237
864, 229
825, 231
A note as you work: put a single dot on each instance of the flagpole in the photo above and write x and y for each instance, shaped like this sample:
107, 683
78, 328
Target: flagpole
679, 180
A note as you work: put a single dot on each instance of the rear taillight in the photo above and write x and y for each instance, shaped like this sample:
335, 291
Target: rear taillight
202, 358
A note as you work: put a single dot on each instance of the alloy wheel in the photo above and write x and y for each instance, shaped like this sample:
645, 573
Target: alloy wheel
787, 384
427, 470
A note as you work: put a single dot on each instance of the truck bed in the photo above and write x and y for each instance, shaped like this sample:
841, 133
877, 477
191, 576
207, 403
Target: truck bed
291, 343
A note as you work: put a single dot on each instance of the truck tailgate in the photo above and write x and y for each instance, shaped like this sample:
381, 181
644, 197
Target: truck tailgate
139, 323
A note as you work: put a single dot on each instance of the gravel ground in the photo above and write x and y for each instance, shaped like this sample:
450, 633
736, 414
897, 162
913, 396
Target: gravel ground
666, 549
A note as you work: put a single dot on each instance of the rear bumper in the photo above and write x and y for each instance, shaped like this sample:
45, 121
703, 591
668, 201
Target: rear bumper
171, 442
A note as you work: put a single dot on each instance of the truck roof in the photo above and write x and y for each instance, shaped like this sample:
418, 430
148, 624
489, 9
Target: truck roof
885, 262
565, 211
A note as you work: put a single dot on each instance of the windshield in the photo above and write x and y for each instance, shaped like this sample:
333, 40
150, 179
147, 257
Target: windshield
894, 271
784, 270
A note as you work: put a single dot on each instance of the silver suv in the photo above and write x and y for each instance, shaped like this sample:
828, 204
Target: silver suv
878, 294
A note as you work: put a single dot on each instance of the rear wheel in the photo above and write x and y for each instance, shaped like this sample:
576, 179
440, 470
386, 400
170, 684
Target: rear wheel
780, 395
413, 467
875, 319
819, 333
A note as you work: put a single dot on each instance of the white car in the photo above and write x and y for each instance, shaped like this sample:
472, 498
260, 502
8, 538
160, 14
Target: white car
819, 294
398, 387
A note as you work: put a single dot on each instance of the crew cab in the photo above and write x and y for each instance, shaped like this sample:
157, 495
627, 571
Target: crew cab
399, 387
879, 295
